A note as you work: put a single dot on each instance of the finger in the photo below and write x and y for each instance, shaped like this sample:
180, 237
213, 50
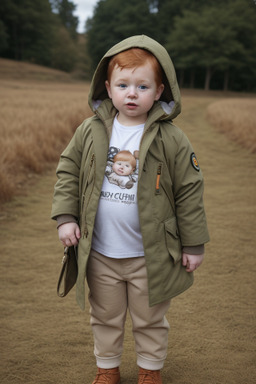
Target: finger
67, 242
192, 268
74, 240
78, 233
184, 260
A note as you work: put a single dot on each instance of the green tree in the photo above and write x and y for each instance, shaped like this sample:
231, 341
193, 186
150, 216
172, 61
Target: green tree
165, 12
65, 9
28, 29
113, 21
165, 15
242, 72
31, 31
3, 37
211, 40
64, 51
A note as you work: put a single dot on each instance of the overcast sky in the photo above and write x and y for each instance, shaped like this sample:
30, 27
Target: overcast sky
84, 9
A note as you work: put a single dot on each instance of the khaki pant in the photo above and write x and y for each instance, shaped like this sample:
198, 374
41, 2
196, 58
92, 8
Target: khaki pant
115, 286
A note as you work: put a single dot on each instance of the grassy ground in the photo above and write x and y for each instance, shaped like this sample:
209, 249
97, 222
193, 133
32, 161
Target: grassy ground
47, 340
237, 119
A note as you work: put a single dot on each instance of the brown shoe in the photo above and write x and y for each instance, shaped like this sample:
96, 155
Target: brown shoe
149, 377
107, 376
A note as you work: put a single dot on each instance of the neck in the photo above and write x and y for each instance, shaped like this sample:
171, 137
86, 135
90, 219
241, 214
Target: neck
131, 122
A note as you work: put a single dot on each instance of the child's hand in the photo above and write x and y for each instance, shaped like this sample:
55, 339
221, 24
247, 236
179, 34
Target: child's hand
191, 262
69, 234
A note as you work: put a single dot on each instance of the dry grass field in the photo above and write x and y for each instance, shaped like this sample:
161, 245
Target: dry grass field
40, 108
47, 340
237, 119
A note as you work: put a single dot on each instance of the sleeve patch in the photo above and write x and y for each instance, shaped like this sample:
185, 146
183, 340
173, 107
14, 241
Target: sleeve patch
194, 162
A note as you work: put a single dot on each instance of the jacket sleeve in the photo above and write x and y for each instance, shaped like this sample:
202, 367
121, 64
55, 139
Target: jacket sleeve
66, 190
188, 195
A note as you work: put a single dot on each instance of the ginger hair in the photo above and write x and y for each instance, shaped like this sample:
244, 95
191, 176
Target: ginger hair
133, 58
126, 156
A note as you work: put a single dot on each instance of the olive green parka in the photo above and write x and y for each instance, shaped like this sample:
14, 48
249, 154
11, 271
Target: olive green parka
170, 182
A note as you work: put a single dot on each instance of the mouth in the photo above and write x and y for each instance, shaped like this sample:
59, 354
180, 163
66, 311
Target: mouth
131, 105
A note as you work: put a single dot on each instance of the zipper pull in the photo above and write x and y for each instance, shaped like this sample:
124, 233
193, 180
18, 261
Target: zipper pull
159, 172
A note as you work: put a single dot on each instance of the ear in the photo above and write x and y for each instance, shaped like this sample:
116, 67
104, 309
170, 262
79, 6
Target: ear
159, 92
107, 85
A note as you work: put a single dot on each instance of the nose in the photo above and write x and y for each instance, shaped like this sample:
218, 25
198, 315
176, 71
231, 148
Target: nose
132, 92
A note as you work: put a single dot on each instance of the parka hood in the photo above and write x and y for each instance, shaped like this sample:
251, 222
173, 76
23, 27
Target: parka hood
170, 99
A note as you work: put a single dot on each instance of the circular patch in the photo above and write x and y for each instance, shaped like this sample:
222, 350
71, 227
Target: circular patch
194, 162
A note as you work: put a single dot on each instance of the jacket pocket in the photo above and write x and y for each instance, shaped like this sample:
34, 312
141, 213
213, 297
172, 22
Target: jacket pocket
172, 239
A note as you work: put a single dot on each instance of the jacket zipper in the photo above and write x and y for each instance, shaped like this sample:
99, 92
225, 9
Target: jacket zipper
85, 229
159, 172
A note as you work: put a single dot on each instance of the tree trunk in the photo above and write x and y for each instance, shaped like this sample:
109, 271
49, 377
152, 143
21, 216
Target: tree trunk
207, 79
182, 76
226, 79
192, 79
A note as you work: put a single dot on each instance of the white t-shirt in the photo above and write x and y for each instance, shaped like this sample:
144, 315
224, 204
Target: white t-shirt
117, 230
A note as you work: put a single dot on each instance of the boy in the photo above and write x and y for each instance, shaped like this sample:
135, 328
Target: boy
137, 249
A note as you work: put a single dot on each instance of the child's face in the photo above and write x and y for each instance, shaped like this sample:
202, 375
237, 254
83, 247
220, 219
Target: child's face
133, 92
122, 168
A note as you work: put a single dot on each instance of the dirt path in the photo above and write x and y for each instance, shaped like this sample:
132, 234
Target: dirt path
47, 340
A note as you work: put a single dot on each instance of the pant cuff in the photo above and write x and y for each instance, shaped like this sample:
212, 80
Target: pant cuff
151, 364
108, 362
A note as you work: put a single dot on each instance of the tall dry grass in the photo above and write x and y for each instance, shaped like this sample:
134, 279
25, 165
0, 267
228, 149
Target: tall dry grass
37, 120
235, 117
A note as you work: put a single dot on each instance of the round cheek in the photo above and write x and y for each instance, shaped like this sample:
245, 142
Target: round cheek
129, 170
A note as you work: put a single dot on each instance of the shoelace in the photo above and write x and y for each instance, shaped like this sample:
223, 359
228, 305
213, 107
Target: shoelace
104, 377
149, 377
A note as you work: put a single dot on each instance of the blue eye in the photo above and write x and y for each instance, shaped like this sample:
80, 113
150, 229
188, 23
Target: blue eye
143, 87
122, 86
